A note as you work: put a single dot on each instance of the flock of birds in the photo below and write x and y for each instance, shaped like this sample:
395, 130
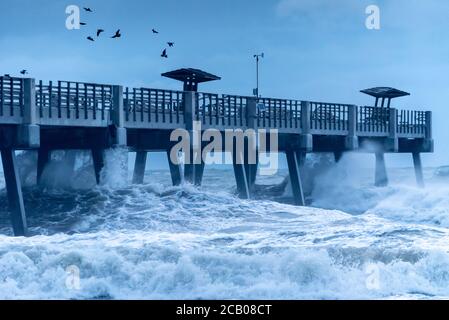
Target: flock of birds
118, 34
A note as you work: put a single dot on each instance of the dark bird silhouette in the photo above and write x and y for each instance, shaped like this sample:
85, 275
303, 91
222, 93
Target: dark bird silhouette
90, 39
83, 23
88, 9
99, 31
7, 76
155, 31
24, 72
117, 34
170, 44
164, 54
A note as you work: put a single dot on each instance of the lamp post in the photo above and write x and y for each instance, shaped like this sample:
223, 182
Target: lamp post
257, 56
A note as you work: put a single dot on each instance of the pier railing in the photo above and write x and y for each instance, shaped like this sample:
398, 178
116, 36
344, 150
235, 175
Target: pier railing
330, 118
221, 111
66, 103
373, 120
153, 108
411, 123
73, 103
280, 114
11, 100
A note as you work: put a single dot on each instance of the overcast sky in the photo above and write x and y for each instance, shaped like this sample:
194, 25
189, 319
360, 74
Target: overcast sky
315, 49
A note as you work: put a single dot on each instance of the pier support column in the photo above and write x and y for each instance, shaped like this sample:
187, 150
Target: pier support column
193, 173
70, 158
139, 167
175, 170
241, 179
251, 173
294, 168
251, 150
43, 158
14, 191
418, 169
194, 164
98, 160
381, 179
337, 156
251, 161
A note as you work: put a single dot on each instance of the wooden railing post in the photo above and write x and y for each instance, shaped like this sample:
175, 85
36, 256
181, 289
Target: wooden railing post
428, 144
428, 132
29, 97
189, 109
352, 141
118, 117
251, 112
306, 140
305, 117
392, 143
28, 134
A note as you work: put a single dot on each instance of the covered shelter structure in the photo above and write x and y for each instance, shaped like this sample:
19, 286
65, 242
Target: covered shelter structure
191, 77
384, 93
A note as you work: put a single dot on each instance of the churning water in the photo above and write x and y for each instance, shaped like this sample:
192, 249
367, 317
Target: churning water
159, 242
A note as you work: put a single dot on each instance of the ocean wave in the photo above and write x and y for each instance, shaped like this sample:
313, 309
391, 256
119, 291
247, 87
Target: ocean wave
155, 241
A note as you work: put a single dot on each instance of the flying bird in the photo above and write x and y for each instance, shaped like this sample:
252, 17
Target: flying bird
99, 31
24, 72
90, 39
170, 44
155, 31
117, 34
82, 23
164, 54
88, 9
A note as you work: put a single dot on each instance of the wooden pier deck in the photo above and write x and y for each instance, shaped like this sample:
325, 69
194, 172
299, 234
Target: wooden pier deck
66, 115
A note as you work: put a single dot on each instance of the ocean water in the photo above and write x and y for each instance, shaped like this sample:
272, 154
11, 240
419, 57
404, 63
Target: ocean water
154, 241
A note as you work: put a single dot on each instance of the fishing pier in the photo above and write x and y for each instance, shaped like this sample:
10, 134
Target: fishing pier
66, 115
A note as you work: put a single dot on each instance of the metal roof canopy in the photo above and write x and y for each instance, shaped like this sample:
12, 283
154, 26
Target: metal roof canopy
384, 93
191, 77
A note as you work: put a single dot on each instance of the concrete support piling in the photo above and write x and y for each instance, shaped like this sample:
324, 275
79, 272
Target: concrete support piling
194, 165
381, 177
98, 160
139, 167
418, 169
251, 161
240, 174
14, 191
43, 158
294, 169
251, 173
337, 156
193, 173
175, 170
